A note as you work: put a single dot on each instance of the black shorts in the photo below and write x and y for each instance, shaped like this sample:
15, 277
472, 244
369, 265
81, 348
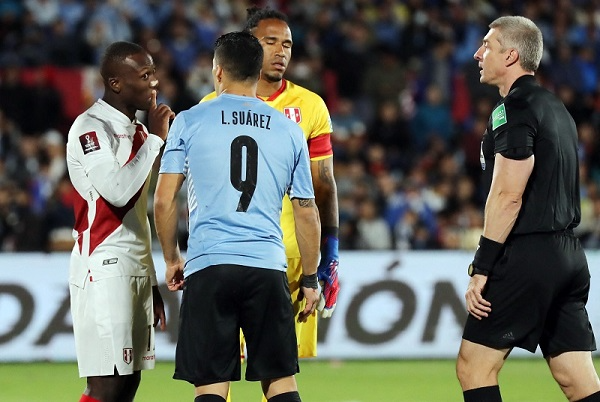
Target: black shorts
538, 291
220, 300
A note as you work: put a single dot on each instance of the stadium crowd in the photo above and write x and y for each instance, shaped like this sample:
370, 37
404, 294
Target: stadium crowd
399, 79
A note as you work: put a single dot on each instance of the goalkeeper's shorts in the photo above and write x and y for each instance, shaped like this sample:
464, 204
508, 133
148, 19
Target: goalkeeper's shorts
538, 290
216, 302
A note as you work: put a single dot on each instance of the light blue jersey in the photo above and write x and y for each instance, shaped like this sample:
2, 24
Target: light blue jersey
240, 156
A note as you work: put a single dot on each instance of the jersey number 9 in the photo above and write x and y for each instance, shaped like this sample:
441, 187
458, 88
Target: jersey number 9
243, 176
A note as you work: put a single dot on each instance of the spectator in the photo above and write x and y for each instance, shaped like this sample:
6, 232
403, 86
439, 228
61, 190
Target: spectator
373, 233
380, 56
432, 120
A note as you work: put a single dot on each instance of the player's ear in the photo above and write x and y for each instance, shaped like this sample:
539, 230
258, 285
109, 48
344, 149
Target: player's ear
114, 84
512, 56
219, 73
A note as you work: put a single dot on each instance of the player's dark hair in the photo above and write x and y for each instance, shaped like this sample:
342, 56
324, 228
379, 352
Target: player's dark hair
257, 14
115, 54
240, 54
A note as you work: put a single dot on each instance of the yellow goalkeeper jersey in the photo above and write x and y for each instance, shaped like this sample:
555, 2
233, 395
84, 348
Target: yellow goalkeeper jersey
310, 112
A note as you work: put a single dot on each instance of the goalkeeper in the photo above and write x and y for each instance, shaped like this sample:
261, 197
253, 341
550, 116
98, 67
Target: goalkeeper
309, 111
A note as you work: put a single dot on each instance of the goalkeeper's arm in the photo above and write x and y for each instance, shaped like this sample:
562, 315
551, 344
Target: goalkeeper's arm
327, 202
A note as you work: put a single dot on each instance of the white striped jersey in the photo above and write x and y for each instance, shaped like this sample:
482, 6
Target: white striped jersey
109, 160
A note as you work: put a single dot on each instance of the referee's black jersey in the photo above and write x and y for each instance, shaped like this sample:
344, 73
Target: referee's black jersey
532, 120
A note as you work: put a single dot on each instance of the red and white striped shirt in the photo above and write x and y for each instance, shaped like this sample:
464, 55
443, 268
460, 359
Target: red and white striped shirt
109, 160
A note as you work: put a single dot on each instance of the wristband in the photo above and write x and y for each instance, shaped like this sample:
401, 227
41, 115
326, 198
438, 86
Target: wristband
327, 231
309, 281
487, 253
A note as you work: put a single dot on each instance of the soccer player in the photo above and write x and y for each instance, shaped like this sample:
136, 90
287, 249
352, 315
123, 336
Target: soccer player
115, 300
240, 158
309, 111
530, 278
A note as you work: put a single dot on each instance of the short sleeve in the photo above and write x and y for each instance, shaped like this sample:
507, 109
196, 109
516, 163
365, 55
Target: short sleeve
175, 153
302, 186
319, 139
514, 126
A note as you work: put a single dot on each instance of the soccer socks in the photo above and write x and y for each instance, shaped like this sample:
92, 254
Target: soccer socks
595, 397
293, 396
483, 394
87, 398
209, 398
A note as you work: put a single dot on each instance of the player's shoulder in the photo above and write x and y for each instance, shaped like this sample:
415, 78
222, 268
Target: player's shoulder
208, 97
92, 119
528, 100
526, 89
302, 92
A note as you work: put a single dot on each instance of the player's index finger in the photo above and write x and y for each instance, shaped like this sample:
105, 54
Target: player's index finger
153, 99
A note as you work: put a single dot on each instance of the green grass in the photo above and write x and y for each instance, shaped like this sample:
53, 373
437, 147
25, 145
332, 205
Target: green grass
523, 380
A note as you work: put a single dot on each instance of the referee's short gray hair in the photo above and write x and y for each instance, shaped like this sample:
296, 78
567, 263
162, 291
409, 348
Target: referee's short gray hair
522, 34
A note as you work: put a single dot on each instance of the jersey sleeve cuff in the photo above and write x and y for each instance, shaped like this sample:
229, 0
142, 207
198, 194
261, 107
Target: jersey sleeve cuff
155, 142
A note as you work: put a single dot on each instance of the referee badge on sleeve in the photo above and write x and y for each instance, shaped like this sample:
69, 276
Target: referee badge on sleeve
499, 117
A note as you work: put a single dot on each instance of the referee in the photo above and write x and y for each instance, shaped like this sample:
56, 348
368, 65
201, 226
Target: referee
530, 279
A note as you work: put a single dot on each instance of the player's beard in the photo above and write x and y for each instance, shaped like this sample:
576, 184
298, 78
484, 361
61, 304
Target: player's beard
273, 77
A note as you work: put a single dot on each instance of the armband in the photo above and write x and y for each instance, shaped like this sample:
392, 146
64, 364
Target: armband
518, 153
309, 281
476, 271
486, 255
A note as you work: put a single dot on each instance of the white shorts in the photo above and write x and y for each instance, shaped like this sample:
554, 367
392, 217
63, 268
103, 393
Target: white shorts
113, 326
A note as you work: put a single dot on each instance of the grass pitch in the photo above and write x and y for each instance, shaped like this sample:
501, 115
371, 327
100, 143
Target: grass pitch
523, 380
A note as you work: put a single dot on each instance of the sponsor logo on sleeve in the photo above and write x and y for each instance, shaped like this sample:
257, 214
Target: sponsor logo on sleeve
499, 117
293, 113
89, 142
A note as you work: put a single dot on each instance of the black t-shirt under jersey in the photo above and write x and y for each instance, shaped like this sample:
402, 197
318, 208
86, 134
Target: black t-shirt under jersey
530, 119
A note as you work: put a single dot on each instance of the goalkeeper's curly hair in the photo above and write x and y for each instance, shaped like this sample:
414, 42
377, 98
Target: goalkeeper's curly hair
257, 14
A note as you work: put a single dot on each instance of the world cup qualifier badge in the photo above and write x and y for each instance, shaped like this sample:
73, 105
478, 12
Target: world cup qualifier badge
89, 142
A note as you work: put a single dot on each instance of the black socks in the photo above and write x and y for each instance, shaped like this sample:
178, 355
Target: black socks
483, 394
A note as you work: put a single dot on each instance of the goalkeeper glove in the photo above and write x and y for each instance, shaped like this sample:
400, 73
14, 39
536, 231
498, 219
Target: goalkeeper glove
327, 272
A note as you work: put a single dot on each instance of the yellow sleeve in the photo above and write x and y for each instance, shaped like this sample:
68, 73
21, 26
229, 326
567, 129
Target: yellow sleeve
321, 121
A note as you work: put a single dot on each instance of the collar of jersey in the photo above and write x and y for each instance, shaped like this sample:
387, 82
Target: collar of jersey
523, 80
115, 114
277, 93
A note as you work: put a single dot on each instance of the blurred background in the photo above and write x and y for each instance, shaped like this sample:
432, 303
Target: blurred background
408, 113
399, 79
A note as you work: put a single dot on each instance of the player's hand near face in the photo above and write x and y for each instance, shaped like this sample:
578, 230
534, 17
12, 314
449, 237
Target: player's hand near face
477, 306
159, 117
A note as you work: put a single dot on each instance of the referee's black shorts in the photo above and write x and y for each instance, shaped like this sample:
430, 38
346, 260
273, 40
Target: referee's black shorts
538, 291
217, 302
